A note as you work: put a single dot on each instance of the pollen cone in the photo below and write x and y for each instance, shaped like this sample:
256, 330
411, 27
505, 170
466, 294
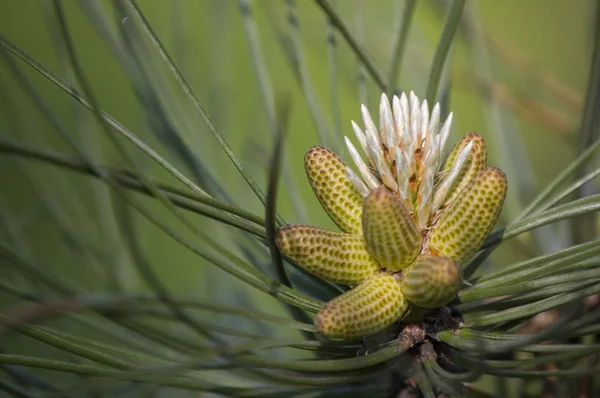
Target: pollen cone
326, 173
467, 222
366, 309
432, 281
334, 256
390, 233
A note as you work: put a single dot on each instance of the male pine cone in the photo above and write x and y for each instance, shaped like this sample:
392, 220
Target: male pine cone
408, 220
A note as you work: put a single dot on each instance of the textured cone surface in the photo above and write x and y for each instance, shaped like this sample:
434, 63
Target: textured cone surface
467, 222
391, 235
327, 175
369, 307
431, 281
475, 163
334, 256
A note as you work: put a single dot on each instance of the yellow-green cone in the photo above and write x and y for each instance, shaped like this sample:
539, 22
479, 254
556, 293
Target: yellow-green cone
369, 307
402, 245
475, 163
326, 173
390, 233
334, 256
467, 222
432, 281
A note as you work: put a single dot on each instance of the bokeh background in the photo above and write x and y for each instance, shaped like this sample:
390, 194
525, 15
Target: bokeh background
517, 73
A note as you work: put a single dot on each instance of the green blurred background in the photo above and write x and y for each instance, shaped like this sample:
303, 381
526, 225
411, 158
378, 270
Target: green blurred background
517, 73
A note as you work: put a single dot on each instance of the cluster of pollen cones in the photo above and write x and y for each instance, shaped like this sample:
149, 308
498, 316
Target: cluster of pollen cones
409, 220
